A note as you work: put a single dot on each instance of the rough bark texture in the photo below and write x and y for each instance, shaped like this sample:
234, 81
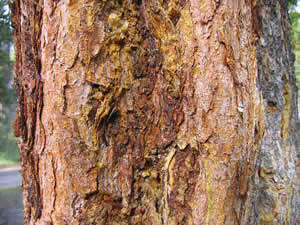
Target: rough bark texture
277, 180
153, 112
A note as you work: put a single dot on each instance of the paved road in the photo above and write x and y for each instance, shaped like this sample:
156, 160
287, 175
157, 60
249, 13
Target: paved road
9, 178
11, 207
11, 203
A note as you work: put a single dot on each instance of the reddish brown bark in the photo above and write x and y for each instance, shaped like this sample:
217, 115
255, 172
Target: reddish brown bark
137, 112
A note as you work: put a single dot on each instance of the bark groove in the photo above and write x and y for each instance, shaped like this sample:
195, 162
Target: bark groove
275, 186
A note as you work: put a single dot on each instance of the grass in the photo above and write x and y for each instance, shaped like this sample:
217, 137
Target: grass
9, 153
7, 162
11, 190
9, 157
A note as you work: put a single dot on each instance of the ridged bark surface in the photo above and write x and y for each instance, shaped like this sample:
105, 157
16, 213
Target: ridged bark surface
276, 184
152, 112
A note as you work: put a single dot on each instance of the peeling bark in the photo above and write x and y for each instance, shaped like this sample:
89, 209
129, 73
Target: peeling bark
150, 112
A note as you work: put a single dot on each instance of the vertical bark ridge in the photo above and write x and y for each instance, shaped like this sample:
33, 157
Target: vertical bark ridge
275, 186
121, 122
27, 19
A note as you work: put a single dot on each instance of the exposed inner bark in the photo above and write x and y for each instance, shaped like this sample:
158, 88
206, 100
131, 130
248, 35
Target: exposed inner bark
138, 112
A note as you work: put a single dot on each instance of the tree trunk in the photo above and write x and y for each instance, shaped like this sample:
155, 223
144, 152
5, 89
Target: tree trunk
156, 112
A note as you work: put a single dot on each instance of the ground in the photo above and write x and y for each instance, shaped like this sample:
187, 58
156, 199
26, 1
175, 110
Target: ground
11, 207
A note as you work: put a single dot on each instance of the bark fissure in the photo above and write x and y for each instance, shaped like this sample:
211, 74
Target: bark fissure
276, 180
54, 189
30, 89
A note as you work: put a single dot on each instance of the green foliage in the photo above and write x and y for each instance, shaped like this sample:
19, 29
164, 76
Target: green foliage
5, 34
295, 37
6, 91
295, 21
8, 143
292, 3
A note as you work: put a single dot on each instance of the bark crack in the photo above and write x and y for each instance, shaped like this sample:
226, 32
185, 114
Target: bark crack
168, 160
54, 188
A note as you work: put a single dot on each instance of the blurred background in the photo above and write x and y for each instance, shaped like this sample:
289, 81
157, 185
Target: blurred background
10, 191
8, 143
295, 37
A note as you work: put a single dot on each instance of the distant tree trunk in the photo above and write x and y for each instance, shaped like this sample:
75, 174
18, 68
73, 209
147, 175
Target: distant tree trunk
275, 188
156, 112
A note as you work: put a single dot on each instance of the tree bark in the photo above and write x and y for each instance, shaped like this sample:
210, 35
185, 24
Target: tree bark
275, 186
156, 112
